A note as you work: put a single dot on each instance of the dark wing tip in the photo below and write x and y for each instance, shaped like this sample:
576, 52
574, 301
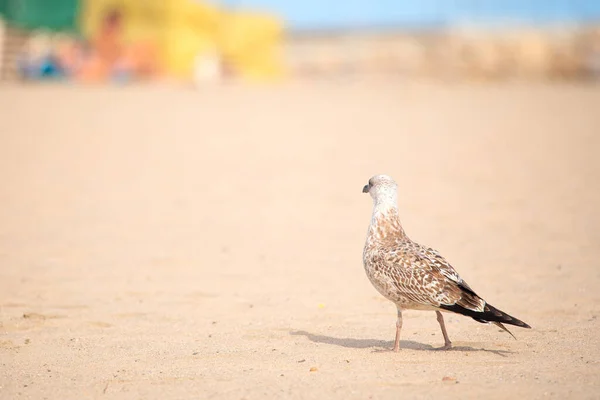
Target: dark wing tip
489, 314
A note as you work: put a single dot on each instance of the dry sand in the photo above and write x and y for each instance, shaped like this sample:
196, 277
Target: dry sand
166, 244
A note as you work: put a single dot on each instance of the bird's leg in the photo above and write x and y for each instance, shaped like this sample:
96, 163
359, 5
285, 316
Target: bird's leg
398, 328
447, 342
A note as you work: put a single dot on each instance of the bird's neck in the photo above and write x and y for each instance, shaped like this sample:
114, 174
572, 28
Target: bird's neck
385, 221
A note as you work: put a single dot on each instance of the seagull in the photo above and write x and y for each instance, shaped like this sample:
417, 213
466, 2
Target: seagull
416, 277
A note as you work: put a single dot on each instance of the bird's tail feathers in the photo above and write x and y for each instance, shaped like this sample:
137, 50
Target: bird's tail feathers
499, 324
489, 314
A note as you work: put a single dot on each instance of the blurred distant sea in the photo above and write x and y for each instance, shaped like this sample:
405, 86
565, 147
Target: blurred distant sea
310, 15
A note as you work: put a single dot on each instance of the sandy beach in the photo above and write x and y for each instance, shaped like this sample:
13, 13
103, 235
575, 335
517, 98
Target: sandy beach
170, 243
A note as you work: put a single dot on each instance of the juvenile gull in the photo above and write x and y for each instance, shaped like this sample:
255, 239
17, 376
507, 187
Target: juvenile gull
415, 277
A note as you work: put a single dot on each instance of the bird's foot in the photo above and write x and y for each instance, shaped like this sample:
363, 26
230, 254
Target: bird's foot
446, 346
383, 350
396, 349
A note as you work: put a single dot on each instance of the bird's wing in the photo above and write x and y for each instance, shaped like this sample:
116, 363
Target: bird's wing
423, 276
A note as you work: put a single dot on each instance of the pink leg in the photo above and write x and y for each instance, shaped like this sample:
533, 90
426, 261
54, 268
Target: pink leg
398, 328
447, 342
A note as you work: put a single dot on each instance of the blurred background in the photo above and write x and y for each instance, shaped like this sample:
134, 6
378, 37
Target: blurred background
181, 199
195, 41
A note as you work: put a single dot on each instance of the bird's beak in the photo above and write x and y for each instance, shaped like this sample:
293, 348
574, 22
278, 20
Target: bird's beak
366, 189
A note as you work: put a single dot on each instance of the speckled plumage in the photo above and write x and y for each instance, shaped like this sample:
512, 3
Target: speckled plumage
413, 276
409, 274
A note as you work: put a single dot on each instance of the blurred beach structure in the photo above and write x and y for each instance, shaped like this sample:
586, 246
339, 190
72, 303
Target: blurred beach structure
266, 40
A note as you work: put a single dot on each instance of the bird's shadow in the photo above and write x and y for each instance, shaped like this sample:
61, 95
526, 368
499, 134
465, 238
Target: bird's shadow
384, 345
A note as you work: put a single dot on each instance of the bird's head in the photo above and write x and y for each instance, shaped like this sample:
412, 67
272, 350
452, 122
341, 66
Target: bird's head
382, 188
